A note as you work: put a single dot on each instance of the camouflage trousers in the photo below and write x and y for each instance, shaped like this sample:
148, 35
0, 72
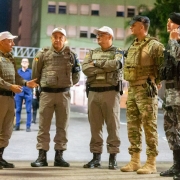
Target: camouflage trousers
142, 112
172, 126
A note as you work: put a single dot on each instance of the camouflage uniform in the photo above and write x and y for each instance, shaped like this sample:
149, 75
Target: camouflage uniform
143, 61
172, 104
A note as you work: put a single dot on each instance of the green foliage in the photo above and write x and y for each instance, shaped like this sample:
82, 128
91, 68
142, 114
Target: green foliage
158, 17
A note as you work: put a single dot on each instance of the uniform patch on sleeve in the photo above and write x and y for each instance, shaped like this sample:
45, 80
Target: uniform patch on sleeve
36, 59
87, 55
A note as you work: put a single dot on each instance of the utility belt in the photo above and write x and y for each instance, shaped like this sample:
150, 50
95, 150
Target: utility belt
7, 93
54, 90
102, 89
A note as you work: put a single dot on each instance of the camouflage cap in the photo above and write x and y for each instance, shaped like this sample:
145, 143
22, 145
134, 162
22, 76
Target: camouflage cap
175, 17
143, 19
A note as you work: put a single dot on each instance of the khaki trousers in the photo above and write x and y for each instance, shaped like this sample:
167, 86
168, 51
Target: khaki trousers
104, 107
50, 103
6, 119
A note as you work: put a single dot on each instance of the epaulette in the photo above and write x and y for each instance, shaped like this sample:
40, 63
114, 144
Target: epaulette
119, 50
44, 50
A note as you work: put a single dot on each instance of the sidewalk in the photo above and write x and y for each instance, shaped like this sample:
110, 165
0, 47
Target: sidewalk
24, 172
22, 151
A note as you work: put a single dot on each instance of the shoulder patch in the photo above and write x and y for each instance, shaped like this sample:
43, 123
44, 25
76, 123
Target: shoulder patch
87, 55
36, 59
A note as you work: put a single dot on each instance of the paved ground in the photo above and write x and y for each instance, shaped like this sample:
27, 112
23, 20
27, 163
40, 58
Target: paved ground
22, 151
24, 172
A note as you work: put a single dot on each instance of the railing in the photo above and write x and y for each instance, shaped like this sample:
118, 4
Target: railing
30, 52
25, 52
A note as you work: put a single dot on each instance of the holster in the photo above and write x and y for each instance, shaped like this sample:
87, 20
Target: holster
119, 87
87, 89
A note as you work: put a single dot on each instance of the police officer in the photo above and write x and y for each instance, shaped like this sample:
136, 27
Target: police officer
171, 74
26, 95
141, 69
57, 69
10, 83
102, 68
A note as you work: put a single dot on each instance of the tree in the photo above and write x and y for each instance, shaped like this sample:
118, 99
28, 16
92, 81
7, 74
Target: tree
159, 16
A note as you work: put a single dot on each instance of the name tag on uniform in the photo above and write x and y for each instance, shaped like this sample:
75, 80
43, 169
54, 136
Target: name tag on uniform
101, 76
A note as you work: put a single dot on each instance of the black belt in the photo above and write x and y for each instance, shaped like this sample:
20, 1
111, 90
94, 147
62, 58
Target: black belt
54, 90
102, 89
7, 93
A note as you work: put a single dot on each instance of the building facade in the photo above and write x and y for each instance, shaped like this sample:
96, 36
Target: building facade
80, 18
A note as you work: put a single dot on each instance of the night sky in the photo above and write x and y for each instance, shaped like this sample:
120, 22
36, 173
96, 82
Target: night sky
5, 15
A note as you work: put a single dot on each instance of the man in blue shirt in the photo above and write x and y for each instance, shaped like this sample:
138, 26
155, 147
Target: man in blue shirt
26, 95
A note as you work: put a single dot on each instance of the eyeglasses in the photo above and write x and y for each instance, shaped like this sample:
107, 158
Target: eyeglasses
8, 40
101, 35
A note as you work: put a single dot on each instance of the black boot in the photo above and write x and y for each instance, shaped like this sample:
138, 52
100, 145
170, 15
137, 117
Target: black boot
41, 160
112, 161
175, 169
95, 162
59, 161
4, 163
176, 177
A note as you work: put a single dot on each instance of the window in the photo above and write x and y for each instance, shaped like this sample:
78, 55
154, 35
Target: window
130, 11
50, 29
84, 9
51, 7
82, 53
71, 31
84, 32
95, 9
93, 35
62, 8
120, 11
73, 9
119, 33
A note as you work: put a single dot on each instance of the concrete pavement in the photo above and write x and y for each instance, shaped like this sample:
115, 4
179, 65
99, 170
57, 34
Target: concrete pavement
22, 151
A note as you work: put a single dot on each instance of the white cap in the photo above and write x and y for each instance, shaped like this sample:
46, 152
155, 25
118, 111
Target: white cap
105, 29
59, 29
7, 35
